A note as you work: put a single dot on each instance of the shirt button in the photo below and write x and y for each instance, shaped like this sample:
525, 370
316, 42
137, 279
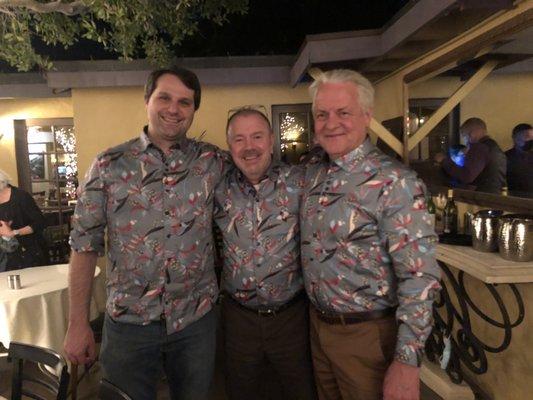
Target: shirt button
326, 188
167, 212
168, 235
258, 244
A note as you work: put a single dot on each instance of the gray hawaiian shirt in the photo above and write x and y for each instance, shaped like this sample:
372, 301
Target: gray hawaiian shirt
261, 236
368, 242
158, 212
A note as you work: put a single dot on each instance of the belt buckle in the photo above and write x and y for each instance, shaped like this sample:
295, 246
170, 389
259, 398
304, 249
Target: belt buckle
269, 312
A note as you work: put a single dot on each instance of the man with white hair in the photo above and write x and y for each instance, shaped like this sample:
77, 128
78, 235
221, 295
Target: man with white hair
368, 253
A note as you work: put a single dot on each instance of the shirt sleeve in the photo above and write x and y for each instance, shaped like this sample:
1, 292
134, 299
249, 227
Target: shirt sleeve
89, 219
475, 160
33, 214
409, 237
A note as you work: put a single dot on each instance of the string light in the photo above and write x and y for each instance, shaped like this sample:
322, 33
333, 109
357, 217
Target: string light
65, 137
290, 131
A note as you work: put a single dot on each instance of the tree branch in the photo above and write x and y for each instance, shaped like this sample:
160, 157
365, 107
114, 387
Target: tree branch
74, 8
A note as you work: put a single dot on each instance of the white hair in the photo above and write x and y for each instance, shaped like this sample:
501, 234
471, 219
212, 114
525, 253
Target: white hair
365, 90
4, 179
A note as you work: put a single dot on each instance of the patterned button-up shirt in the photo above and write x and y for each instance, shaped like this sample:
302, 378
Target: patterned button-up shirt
158, 212
261, 236
368, 242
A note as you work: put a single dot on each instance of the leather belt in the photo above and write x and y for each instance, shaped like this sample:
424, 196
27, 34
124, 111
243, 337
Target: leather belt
265, 311
353, 318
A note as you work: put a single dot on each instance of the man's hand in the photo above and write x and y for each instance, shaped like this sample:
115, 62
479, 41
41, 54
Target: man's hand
402, 382
79, 344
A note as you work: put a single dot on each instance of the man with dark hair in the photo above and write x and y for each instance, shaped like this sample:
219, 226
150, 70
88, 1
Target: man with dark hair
520, 160
154, 194
485, 164
264, 309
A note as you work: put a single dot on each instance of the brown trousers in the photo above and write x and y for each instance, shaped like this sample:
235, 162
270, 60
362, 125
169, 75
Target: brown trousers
256, 344
350, 361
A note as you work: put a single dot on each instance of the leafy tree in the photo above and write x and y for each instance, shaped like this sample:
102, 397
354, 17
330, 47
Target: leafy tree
131, 28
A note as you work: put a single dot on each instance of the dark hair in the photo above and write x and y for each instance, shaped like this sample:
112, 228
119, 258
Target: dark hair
520, 128
188, 78
246, 111
472, 123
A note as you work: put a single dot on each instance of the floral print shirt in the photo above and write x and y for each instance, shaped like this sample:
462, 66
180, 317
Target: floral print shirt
261, 236
158, 212
368, 242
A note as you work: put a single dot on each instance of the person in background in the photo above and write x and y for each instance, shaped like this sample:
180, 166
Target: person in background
265, 309
457, 154
520, 160
154, 196
21, 218
485, 165
368, 253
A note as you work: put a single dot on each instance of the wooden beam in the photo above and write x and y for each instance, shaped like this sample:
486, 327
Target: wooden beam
384, 134
466, 46
450, 66
455, 99
406, 123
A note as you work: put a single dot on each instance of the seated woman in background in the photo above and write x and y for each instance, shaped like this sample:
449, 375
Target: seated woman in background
20, 218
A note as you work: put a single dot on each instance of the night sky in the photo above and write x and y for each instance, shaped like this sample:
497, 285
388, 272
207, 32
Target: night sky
270, 27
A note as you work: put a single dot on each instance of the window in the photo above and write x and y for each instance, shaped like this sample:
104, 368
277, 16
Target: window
48, 169
293, 130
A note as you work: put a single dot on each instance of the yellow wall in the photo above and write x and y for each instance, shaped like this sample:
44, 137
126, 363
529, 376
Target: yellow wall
389, 98
11, 110
502, 101
106, 117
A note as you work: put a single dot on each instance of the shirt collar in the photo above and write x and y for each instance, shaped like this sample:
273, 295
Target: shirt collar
355, 158
144, 142
272, 173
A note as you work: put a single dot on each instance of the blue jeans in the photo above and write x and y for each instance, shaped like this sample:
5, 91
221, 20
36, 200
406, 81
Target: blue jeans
133, 356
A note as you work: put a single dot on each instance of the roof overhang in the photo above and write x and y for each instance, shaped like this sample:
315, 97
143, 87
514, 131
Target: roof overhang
416, 31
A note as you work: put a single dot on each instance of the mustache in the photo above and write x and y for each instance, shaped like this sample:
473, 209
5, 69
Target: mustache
250, 153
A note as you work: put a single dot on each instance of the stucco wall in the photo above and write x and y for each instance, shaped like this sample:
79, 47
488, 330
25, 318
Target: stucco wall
502, 101
106, 117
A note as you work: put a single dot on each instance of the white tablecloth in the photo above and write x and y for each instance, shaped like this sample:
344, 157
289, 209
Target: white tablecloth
38, 312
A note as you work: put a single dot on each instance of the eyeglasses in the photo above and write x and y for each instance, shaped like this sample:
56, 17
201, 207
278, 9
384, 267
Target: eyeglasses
261, 109
254, 108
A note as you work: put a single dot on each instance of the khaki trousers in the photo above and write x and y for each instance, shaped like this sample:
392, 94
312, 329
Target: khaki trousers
350, 361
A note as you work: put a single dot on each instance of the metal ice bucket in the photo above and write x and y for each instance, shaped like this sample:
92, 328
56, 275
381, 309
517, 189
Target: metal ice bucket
515, 237
485, 230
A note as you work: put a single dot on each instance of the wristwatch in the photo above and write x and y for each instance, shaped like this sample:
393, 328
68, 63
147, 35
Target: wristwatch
16, 232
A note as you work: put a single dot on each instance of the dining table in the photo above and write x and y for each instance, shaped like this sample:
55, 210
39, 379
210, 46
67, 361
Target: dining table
37, 313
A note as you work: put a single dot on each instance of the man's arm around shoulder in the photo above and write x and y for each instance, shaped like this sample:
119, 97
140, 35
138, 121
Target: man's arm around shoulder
79, 341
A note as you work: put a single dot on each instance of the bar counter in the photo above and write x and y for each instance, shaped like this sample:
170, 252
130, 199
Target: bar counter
486, 311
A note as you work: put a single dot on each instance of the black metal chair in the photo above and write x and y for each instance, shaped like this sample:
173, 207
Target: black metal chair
41, 384
108, 391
